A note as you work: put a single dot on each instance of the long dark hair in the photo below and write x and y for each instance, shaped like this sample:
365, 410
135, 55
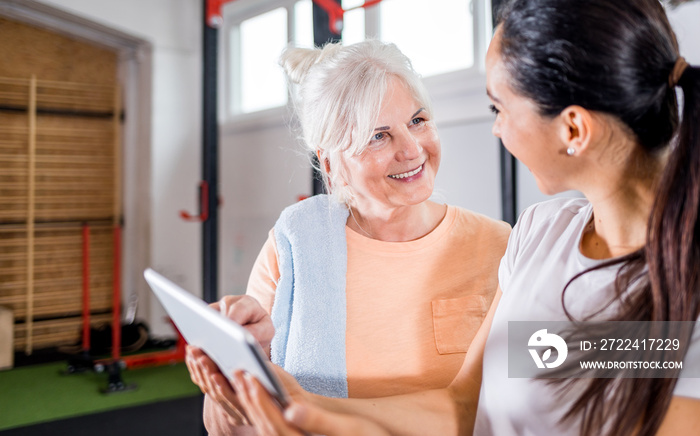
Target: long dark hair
616, 57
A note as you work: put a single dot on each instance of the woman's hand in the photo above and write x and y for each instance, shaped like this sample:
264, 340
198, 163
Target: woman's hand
300, 417
206, 375
226, 410
246, 311
291, 385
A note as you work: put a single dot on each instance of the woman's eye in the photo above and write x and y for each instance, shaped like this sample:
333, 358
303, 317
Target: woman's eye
379, 136
417, 121
494, 109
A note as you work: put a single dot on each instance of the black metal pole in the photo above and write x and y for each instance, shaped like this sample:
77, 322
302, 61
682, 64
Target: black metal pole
210, 167
508, 163
322, 36
509, 185
322, 30
210, 161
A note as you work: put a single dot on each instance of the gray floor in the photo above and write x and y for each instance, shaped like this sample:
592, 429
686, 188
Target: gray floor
181, 417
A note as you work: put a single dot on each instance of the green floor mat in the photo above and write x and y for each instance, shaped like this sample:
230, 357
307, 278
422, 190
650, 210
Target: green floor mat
39, 393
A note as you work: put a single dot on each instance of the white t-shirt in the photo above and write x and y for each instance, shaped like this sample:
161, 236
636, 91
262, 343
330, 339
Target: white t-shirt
542, 256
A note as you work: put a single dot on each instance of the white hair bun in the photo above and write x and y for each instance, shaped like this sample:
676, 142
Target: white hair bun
297, 62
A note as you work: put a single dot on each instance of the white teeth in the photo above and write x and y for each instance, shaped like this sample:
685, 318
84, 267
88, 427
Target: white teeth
408, 174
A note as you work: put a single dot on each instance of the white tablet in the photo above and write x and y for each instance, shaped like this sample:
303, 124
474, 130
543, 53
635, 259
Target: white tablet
227, 343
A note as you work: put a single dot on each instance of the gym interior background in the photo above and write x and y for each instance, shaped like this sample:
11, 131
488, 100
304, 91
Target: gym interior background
101, 140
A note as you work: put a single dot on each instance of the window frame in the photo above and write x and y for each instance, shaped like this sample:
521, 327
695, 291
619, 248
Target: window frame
470, 81
234, 14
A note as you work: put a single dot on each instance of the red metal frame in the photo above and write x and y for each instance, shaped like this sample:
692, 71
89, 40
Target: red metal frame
138, 360
214, 18
153, 358
156, 358
336, 12
203, 206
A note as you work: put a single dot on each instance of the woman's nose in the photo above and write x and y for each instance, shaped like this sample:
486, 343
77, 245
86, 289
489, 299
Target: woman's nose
409, 147
496, 129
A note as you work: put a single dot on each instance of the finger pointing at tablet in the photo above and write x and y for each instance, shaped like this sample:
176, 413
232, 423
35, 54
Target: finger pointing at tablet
246, 311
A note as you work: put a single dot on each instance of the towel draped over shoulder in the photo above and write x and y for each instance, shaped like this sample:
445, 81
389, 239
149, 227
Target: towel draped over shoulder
309, 312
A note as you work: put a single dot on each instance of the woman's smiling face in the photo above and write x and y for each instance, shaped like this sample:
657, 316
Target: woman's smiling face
399, 165
529, 136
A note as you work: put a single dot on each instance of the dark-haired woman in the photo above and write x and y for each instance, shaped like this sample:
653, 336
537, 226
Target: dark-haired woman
585, 96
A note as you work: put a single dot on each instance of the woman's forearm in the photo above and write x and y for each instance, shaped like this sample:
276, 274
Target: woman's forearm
421, 413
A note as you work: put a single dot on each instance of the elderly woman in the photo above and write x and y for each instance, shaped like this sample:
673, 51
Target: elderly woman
374, 289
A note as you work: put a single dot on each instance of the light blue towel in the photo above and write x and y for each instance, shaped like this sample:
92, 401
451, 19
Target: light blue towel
309, 311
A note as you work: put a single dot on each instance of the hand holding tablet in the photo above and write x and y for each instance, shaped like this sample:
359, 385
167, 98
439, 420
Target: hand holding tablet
227, 343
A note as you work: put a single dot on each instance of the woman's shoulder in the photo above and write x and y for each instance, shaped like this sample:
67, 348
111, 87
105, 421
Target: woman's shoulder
313, 204
311, 212
552, 217
478, 221
556, 209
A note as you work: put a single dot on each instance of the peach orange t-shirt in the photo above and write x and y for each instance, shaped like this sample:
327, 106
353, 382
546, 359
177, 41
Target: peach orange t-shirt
412, 307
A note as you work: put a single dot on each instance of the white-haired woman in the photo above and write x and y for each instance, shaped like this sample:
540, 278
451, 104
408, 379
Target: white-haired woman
370, 287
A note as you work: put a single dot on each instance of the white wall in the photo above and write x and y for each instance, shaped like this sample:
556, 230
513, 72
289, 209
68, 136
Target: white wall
173, 28
469, 175
685, 21
262, 171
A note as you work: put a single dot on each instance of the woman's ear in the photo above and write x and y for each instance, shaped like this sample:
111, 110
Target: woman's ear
576, 129
325, 162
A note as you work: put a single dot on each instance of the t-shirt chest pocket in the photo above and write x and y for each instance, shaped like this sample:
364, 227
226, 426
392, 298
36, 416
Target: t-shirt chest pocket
456, 321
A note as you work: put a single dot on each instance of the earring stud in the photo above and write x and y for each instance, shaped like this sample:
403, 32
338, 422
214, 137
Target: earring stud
570, 151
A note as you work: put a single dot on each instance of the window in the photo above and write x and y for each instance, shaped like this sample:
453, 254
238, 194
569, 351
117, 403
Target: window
437, 39
258, 31
439, 36
303, 24
261, 40
353, 22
